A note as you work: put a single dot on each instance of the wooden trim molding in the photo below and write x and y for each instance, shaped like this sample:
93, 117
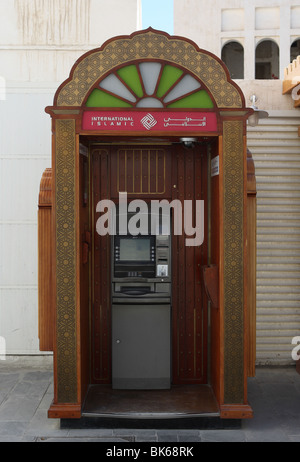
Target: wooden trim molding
230, 285
46, 307
233, 217
64, 411
236, 411
251, 265
65, 200
211, 284
148, 45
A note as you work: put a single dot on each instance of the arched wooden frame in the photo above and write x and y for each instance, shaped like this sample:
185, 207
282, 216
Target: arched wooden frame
163, 64
230, 385
149, 45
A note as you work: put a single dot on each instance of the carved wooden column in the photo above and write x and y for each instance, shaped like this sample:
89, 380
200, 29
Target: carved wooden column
66, 342
251, 264
234, 271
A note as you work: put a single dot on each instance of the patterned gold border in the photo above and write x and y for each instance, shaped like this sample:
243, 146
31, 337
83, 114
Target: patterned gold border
233, 165
65, 261
88, 70
148, 45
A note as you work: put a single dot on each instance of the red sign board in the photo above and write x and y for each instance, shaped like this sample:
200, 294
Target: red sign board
150, 121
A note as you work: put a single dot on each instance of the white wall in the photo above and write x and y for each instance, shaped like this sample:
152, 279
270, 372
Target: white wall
212, 24
275, 146
40, 41
25, 146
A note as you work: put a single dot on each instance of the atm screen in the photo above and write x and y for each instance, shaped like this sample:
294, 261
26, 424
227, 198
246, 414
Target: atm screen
135, 249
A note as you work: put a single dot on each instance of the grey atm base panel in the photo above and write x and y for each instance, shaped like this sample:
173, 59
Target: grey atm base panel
141, 347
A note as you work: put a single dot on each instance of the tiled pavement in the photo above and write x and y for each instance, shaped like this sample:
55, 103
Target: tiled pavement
26, 391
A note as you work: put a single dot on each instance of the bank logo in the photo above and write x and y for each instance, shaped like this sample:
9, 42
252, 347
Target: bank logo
148, 121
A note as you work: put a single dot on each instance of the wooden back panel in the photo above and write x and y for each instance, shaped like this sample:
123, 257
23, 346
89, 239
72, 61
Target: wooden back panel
189, 303
153, 172
101, 305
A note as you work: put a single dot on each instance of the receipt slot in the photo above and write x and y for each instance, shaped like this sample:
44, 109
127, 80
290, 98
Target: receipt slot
141, 311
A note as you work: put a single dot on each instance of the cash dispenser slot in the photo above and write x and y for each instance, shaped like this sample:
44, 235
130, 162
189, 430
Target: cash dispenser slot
135, 290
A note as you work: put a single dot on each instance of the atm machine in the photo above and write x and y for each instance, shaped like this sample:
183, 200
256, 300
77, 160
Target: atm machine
141, 309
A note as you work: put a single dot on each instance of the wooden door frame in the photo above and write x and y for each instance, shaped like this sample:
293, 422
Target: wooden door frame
229, 382
173, 187
229, 378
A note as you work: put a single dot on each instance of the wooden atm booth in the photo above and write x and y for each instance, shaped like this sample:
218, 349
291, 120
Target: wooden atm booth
154, 323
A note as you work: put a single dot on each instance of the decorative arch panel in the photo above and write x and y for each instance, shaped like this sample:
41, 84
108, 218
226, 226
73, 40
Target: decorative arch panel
150, 84
146, 46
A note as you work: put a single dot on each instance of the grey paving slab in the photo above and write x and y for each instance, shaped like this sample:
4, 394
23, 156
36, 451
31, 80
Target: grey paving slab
220, 436
26, 392
40, 426
267, 436
82, 440
95, 433
165, 436
10, 429
18, 408
294, 438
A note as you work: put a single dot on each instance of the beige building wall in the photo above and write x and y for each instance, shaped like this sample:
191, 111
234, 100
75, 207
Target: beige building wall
275, 146
40, 41
212, 24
